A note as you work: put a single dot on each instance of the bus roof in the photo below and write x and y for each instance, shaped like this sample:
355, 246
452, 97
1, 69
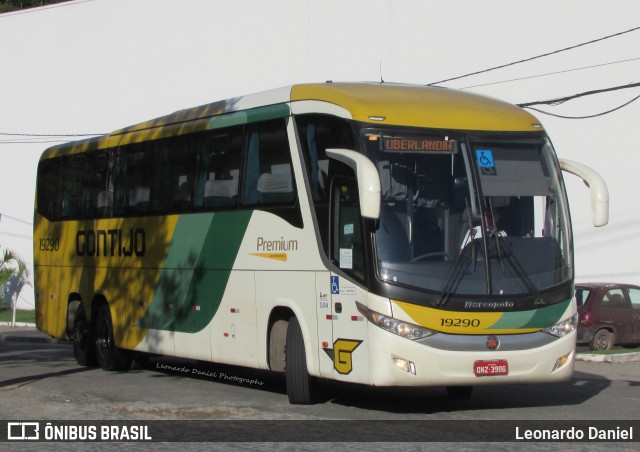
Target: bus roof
377, 103
420, 106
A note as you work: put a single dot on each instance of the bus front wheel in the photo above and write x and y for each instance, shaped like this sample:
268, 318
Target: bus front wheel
108, 355
299, 382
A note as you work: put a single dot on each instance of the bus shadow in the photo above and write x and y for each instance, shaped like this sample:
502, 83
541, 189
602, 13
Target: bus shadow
427, 400
419, 400
26, 380
257, 379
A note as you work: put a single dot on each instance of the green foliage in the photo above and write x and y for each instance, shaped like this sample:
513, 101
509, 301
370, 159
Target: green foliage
15, 5
7, 262
615, 351
14, 275
21, 316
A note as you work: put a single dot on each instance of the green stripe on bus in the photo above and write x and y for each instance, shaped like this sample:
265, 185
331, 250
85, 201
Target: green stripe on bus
196, 270
248, 116
548, 316
538, 318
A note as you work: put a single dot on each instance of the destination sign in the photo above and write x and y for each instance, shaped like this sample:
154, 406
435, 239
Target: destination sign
417, 144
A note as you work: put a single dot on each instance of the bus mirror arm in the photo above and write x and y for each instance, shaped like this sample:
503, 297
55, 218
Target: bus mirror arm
597, 187
368, 180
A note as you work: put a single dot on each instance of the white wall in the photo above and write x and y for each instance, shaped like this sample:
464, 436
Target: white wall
91, 66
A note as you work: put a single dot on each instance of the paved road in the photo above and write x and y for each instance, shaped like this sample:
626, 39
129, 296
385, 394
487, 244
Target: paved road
39, 379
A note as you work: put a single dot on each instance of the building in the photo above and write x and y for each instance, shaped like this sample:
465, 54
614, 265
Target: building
92, 66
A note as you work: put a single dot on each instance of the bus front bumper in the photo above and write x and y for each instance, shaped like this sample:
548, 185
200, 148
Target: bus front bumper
396, 361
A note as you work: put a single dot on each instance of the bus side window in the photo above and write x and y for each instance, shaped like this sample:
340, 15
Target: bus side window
316, 133
174, 181
347, 240
218, 163
74, 170
132, 180
268, 176
97, 197
48, 189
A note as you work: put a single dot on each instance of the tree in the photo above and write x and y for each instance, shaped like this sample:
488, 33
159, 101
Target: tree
8, 262
14, 275
15, 5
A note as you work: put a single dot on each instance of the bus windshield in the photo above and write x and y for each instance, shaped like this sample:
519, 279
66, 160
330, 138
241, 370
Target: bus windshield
469, 215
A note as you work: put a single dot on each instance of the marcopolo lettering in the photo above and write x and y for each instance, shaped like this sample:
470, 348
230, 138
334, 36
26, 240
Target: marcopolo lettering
111, 242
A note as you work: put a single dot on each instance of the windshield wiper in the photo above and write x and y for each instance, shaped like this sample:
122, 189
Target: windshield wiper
515, 265
455, 271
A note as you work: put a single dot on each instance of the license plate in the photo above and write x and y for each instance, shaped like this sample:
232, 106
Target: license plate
491, 368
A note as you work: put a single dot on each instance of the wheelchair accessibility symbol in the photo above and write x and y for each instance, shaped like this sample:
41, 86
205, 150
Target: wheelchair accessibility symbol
485, 161
335, 285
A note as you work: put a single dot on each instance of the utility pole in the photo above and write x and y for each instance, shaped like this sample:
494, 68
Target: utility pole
14, 304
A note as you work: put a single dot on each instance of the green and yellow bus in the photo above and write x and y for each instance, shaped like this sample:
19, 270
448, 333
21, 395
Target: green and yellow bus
373, 233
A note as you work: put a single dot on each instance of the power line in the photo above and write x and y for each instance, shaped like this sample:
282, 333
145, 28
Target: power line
19, 236
536, 57
25, 300
588, 116
50, 135
41, 138
32, 142
561, 100
551, 73
3, 215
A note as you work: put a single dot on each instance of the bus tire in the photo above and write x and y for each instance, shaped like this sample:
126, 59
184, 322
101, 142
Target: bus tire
84, 348
277, 345
459, 392
299, 382
108, 355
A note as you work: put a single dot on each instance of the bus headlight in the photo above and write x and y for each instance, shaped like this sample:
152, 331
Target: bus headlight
403, 329
563, 328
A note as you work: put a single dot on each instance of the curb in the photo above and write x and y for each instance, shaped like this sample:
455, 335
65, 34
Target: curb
25, 332
19, 324
619, 358
32, 339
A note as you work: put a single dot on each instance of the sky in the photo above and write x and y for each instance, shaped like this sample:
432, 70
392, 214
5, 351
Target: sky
93, 66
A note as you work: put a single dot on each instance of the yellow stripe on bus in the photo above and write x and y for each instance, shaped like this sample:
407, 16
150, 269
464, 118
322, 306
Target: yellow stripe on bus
419, 106
457, 322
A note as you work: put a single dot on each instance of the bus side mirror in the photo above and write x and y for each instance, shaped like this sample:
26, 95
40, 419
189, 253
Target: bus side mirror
368, 180
597, 187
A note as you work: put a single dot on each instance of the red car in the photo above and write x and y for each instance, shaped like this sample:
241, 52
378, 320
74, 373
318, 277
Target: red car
609, 314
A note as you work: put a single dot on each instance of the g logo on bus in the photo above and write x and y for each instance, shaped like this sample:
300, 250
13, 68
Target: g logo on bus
341, 354
492, 343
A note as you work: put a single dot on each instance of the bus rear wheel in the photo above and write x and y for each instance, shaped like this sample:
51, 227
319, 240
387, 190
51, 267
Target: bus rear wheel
108, 355
299, 382
83, 341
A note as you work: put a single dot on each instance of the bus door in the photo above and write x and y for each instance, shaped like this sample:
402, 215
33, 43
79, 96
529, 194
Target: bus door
348, 350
